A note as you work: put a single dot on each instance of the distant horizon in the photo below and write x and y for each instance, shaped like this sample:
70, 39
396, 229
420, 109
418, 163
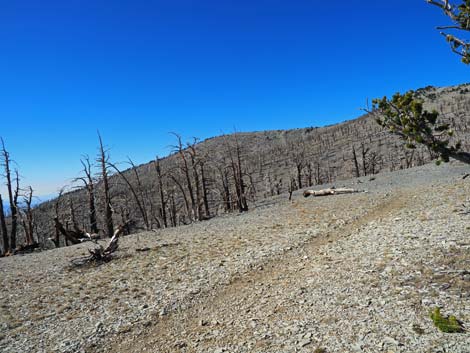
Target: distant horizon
137, 70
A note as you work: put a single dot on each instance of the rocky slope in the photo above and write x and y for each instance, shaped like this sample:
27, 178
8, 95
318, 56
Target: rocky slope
349, 273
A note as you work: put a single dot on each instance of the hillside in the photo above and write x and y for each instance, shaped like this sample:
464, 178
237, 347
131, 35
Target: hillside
347, 273
272, 162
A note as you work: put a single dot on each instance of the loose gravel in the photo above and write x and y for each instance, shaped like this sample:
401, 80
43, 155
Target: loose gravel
347, 273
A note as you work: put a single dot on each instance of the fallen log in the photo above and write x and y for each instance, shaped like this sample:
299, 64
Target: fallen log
329, 191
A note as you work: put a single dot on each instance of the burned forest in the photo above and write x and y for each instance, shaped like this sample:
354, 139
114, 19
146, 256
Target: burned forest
203, 179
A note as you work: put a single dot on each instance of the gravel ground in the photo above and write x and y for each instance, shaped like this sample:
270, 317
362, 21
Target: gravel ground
346, 273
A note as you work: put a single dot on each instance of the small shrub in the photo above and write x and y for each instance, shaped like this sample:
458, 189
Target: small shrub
446, 324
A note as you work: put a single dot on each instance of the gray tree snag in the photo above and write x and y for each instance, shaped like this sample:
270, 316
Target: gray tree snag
237, 173
56, 239
161, 191
194, 159
28, 219
103, 160
89, 184
184, 167
3, 228
205, 191
356, 164
298, 157
364, 151
138, 200
12, 195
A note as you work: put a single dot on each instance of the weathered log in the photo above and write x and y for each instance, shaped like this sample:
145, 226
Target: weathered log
329, 191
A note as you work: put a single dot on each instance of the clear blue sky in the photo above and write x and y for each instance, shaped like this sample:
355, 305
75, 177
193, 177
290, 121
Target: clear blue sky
137, 70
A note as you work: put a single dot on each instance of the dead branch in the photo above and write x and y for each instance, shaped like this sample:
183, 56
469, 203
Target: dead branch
74, 236
101, 254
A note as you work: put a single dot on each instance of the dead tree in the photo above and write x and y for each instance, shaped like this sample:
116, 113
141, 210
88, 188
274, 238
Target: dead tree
185, 169
373, 161
200, 180
183, 193
356, 164
309, 174
161, 192
89, 182
140, 201
56, 239
12, 194
364, 152
28, 220
194, 159
298, 158
3, 228
205, 198
237, 173
409, 158
223, 173
103, 160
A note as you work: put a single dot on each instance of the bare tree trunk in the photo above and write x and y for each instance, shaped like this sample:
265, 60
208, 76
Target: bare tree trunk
185, 198
356, 164
103, 160
185, 168
89, 185
173, 213
204, 192
243, 205
310, 174
29, 226
3, 227
364, 152
138, 201
194, 166
161, 191
56, 209
12, 197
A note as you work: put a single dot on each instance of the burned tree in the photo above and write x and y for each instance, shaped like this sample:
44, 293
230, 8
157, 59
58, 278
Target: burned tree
103, 160
89, 184
238, 173
3, 228
161, 192
298, 157
138, 196
12, 194
356, 164
186, 171
27, 217
364, 151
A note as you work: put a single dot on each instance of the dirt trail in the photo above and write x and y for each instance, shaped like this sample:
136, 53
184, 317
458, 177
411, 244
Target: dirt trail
193, 329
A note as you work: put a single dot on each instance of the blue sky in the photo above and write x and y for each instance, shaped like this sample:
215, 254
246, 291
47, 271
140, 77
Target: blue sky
137, 70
